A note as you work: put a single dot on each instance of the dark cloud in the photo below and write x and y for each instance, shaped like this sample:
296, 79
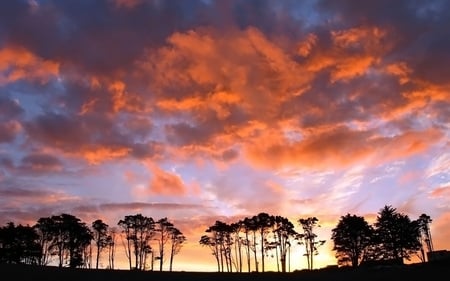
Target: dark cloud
419, 28
9, 131
10, 109
24, 192
41, 162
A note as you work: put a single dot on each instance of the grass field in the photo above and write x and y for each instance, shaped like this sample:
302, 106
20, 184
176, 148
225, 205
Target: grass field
422, 272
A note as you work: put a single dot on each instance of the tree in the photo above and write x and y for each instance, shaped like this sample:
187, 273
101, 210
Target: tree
284, 231
138, 230
423, 221
211, 243
398, 236
100, 237
177, 240
163, 230
264, 223
111, 246
236, 230
70, 237
19, 244
220, 243
250, 229
309, 239
77, 236
352, 236
43, 228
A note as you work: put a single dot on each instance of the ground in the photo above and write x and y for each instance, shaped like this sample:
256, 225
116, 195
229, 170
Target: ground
407, 272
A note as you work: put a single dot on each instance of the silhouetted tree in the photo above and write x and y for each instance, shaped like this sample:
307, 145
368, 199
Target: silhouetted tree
211, 243
236, 230
100, 237
220, 242
398, 236
177, 240
425, 238
309, 239
284, 231
71, 237
250, 229
352, 236
111, 246
264, 223
138, 230
19, 244
163, 229
43, 228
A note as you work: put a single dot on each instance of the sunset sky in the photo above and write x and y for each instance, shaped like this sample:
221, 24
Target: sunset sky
217, 110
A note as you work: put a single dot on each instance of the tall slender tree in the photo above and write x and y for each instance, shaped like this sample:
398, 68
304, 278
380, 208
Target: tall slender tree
100, 230
111, 245
284, 231
211, 243
236, 230
163, 231
177, 240
424, 221
249, 228
309, 239
264, 223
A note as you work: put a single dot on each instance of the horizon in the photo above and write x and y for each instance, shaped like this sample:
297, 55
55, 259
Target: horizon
203, 110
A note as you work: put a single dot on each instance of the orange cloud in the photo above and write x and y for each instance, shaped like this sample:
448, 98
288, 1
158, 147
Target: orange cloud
351, 67
401, 70
241, 68
124, 100
305, 47
17, 63
97, 154
166, 183
440, 192
337, 147
353, 52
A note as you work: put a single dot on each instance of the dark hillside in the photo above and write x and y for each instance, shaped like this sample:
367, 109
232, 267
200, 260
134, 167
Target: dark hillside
407, 272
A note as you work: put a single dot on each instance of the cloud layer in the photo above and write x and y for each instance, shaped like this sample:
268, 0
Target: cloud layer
200, 110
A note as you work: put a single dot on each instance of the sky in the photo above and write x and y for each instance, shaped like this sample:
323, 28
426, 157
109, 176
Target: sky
218, 110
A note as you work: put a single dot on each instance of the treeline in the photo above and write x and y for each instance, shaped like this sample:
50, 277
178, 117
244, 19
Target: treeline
72, 242
244, 245
248, 242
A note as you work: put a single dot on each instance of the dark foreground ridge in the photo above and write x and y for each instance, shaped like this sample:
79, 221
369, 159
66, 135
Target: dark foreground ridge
411, 272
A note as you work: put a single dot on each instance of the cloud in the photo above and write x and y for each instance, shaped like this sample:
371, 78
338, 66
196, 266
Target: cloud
41, 162
204, 110
9, 130
17, 63
10, 109
166, 183
439, 165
